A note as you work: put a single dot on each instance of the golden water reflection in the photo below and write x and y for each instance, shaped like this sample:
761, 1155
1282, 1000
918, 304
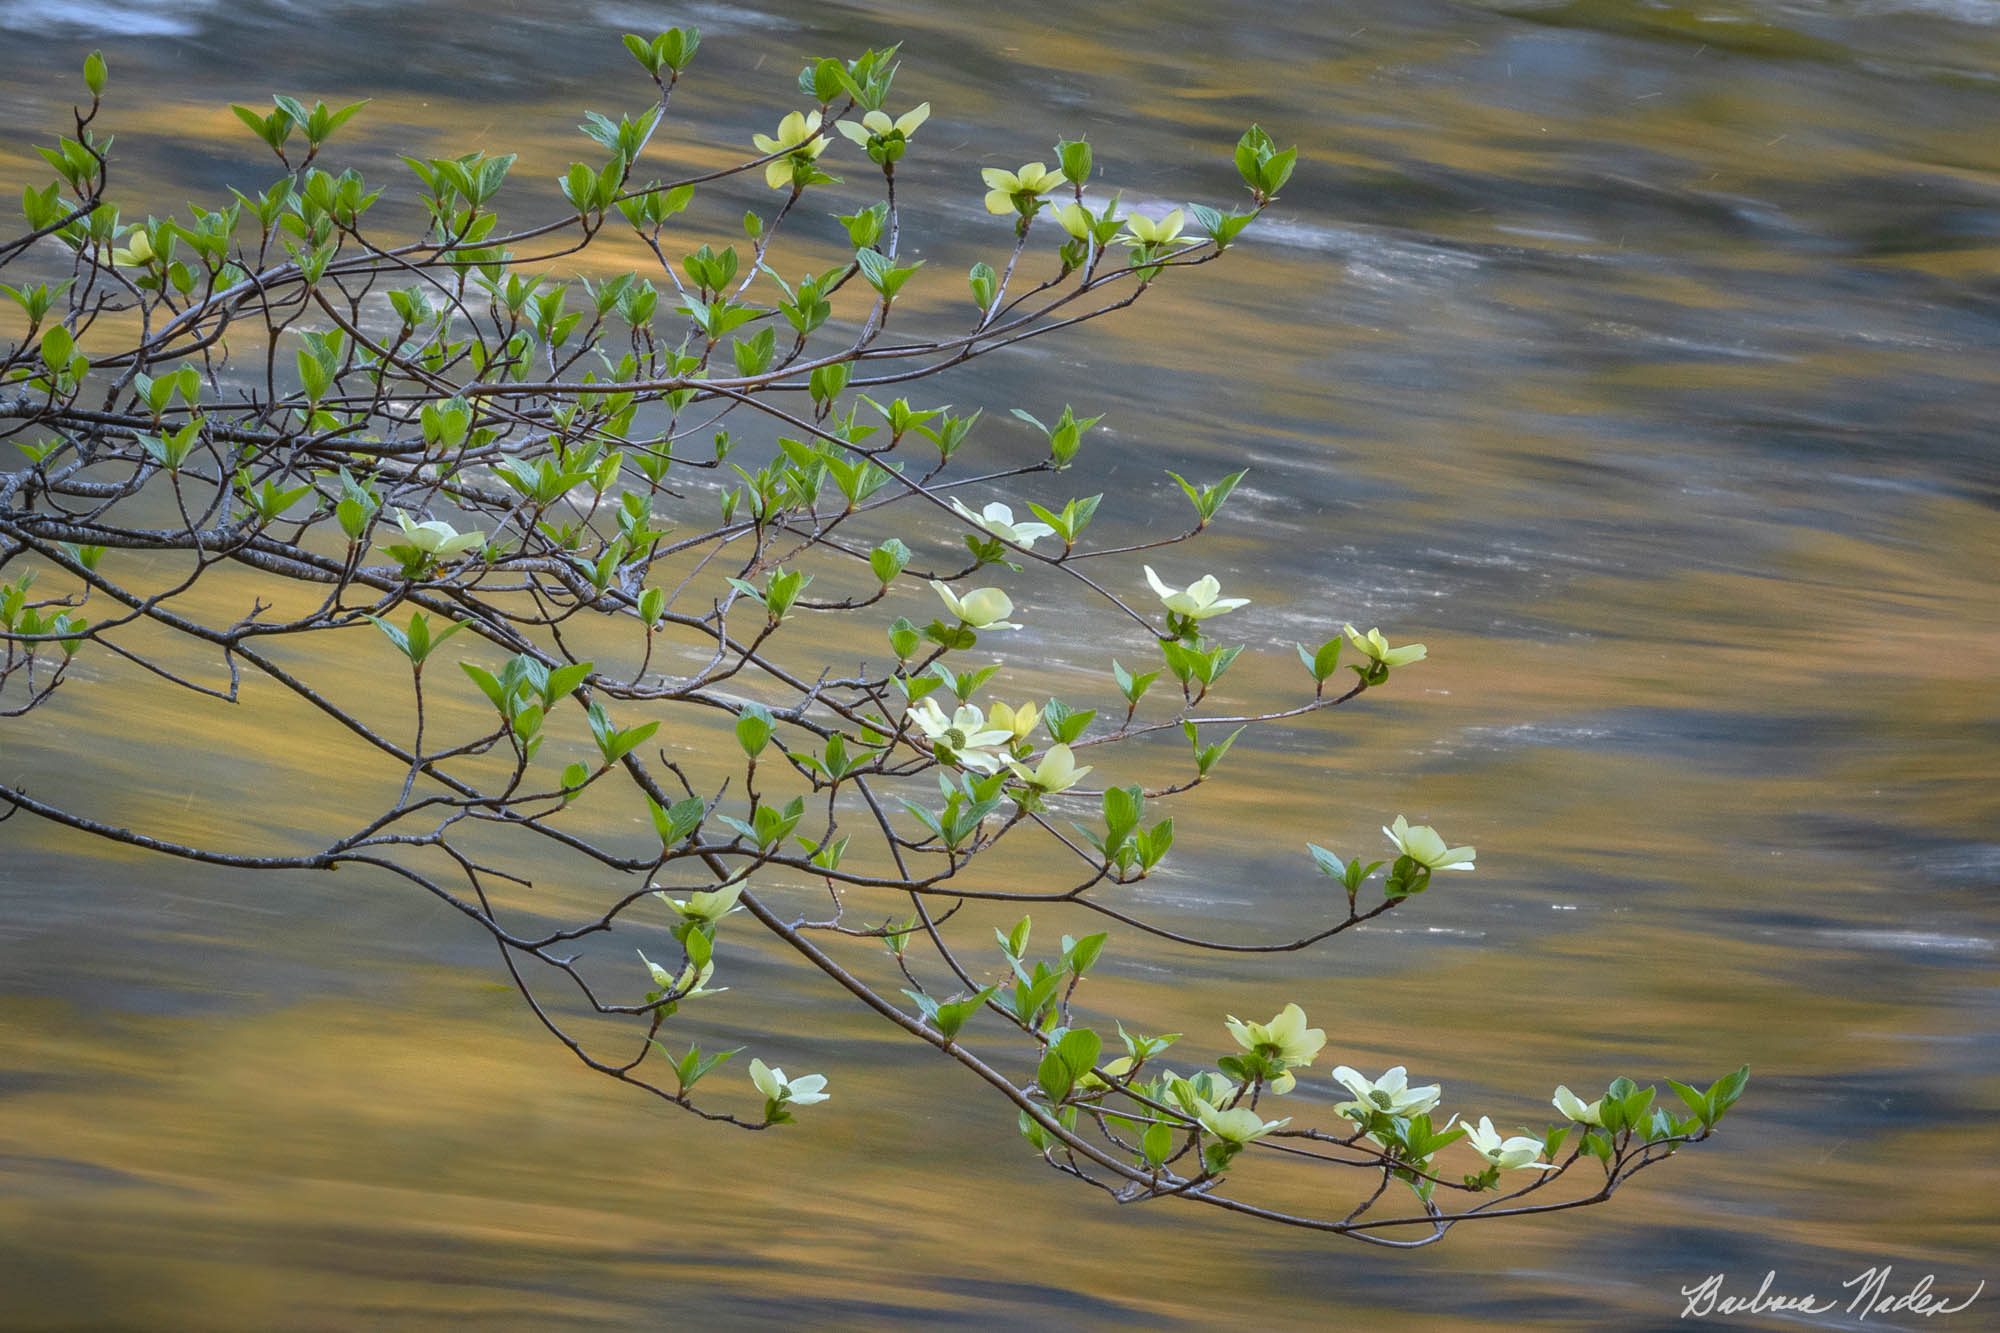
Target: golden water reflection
1637, 358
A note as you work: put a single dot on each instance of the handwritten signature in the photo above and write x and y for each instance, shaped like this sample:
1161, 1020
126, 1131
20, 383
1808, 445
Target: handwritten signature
1871, 1296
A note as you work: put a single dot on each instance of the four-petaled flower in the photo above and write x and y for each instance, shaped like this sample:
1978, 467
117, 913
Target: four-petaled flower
778, 1089
1020, 720
1058, 770
965, 732
998, 519
1074, 219
875, 128
1377, 648
708, 906
1237, 1127
982, 608
1390, 1094
800, 141
1142, 230
437, 538
1285, 1040
1007, 191
690, 984
1577, 1109
1507, 1154
1421, 843
1198, 601
136, 254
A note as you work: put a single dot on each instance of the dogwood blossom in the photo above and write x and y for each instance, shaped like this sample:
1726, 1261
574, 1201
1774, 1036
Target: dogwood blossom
998, 519
801, 1091
1075, 219
965, 732
1507, 1154
708, 906
1285, 1040
1057, 771
1390, 1094
1239, 1127
1198, 601
1145, 231
1020, 720
1003, 188
982, 608
137, 253
1377, 648
1577, 1109
876, 124
1421, 844
690, 984
438, 538
798, 138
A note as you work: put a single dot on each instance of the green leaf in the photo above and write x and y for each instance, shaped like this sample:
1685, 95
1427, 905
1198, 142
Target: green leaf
416, 642
1133, 687
1696, 1101
1074, 155
904, 640
883, 274
1323, 660
1078, 1049
1208, 499
674, 823
951, 1016
58, 347
1064, 723
984, 283
1726, 1090
1053, 1075
691, 1068
1079, 956
1015, 941
563, 681
889, 559
753, 729
488, 684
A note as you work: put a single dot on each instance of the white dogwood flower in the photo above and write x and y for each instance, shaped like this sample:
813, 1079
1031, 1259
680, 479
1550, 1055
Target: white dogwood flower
1285, 1040
998, 519
801, 1091
1377, 648
1507, 1154
709, 906
1198, 601
965, 732
1421, 844
1239, 1127
1391, 1094
438, 538
982, 608
1575, 1108
1057, 771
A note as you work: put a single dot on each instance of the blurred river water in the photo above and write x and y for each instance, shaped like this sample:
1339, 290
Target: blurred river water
1641, 358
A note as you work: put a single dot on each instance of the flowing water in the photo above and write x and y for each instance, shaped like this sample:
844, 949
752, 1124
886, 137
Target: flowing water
1641, 358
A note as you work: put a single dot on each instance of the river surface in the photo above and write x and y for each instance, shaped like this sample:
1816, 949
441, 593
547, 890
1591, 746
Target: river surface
1642, 359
